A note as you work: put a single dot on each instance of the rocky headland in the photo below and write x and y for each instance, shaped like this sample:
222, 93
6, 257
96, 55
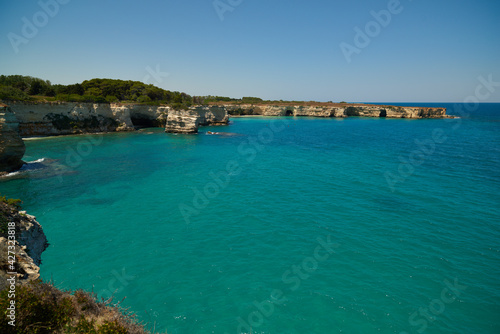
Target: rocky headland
334, 110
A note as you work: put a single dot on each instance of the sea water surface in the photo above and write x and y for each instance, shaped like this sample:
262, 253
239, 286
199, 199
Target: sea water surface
290, 225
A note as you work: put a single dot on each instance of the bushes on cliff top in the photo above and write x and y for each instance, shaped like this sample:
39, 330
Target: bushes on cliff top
20, 87
9, 93
41, 308
7, 207
11, 201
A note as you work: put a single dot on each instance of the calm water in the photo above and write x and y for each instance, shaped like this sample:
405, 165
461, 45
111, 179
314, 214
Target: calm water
295, 225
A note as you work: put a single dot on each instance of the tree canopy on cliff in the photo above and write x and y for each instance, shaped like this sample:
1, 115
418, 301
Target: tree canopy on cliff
19, 87
27, 88
24, 88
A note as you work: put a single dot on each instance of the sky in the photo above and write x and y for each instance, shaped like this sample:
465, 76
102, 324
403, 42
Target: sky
315, 50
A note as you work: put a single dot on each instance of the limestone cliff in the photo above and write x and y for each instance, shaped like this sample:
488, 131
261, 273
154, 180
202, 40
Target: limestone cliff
11, 145
188, 121
336, 110
29, 244
182, 121
60, 118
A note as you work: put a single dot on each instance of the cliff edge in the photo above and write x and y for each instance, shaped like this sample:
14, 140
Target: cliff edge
63, 118
25, 234
335, 110
12, 147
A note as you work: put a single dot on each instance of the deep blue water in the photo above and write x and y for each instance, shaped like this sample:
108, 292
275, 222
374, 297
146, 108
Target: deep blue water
294, 225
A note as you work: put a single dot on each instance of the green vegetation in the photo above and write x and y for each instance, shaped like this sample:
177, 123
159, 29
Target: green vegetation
21, 88
26, 88
41, 308
10, 201
5, 212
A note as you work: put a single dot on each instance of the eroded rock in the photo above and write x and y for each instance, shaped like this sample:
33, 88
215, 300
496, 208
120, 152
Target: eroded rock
12, 147
29, 243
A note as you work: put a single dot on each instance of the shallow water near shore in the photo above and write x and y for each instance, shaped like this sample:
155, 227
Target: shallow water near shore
294, 225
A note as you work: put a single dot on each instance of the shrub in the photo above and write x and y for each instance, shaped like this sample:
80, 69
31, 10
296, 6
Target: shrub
143, 99
41, 308
111, 99
11, 201
9, 93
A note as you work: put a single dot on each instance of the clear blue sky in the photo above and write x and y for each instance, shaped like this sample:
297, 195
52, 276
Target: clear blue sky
432, 51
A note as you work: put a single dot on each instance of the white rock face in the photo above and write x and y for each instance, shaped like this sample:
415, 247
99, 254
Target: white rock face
188, 121
59, 118
211, 115
29, 244
31, 235
182, 121
337, 111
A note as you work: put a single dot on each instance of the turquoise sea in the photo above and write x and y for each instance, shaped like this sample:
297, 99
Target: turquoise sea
285, 225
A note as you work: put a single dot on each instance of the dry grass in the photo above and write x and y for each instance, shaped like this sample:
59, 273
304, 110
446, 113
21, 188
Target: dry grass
41, 308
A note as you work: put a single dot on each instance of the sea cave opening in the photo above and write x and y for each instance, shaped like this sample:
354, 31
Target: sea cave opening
351, 111
142, 121
383, 113
289, 113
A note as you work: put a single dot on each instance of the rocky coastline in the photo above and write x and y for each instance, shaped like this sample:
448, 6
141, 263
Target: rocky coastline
63, 118
31, 119
29, 242
335, 110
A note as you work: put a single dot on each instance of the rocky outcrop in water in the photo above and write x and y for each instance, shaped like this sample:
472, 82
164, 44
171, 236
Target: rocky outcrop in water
339, 110
182, 121
30, 242
188, 121
11, 145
